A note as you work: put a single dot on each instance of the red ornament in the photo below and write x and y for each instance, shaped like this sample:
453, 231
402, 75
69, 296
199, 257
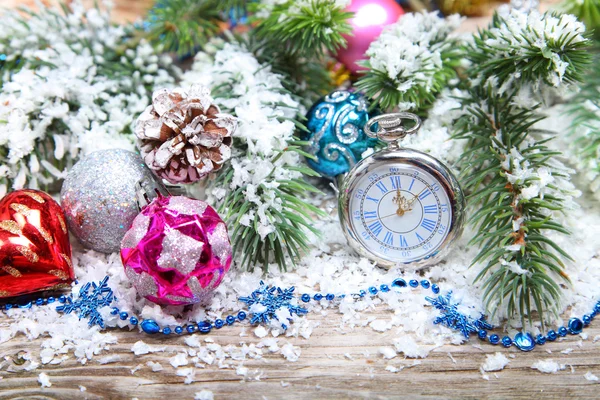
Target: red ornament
370, 17
35, 253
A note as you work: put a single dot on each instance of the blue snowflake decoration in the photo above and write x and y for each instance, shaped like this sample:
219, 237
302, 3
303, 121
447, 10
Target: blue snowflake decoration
267, 300
453, 319
88, 303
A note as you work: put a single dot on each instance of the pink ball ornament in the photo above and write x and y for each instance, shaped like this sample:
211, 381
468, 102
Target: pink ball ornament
176, 251
370, 17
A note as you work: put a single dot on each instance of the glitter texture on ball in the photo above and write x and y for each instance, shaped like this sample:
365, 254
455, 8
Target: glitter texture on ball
99, 197
177, 251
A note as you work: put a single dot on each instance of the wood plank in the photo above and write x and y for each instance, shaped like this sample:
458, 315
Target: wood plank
331, 365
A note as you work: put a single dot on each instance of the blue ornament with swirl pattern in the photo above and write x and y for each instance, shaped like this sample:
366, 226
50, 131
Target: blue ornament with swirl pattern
336, 136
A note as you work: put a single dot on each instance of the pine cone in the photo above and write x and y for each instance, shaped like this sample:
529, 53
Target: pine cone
183, 136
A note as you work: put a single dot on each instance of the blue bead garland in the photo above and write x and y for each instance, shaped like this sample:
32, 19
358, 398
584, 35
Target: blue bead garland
274, 298
524, 341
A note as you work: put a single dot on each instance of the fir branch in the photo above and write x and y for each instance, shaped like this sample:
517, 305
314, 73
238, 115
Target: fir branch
587, 11
538, 50
290, 222
68, 88
261, 192
304, 28
584, 109
184, 26
411, 62
517, 187
306, 78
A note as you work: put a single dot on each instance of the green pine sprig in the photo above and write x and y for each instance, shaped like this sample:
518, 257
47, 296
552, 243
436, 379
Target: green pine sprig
584, 108
183, 26
523, 268
587, 11
292, 222
305, 30
306, 78
411, 62
512, 56
384, 93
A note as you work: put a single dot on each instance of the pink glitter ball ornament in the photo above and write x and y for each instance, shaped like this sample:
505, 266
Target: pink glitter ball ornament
176, 251
370, 17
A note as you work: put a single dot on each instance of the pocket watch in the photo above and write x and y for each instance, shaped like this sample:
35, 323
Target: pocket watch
400, 206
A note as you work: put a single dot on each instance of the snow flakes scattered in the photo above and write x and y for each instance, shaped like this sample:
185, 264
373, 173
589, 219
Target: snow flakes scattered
380, 325
136, 368
204, 395
495, 362
178, 360
290, 352
44, 380
410, 348
260, 331
155, 366
387, 352
548, 366
590, 377
189, 374
140, 348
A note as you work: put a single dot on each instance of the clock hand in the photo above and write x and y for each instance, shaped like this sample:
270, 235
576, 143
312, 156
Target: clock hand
396, 213
417, 195
399, 199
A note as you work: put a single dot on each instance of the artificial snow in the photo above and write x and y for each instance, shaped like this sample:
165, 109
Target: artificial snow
140, 348
387, 352
590, 377
44, 380
290, 352
204, 395
178, 360
155, 366
410, 348
188, 373
260, 331
548, 366
495, 362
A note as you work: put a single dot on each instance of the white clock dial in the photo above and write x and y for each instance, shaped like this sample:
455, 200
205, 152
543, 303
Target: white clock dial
400, 212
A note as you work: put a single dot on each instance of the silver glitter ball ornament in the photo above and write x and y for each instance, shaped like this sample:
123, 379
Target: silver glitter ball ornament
99, 197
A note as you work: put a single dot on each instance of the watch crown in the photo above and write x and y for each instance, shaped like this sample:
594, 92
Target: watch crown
391, 127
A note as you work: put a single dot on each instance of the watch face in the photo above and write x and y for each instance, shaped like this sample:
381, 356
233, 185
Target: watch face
400, 212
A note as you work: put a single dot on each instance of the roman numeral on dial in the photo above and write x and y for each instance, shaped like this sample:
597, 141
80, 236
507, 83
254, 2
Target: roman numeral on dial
376, 228
370, 214
396, 183
389, 239
428, 224
381, 187
430, 209
403, 242
424, 194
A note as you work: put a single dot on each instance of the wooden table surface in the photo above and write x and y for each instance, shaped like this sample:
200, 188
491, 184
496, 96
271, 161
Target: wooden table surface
331, 365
